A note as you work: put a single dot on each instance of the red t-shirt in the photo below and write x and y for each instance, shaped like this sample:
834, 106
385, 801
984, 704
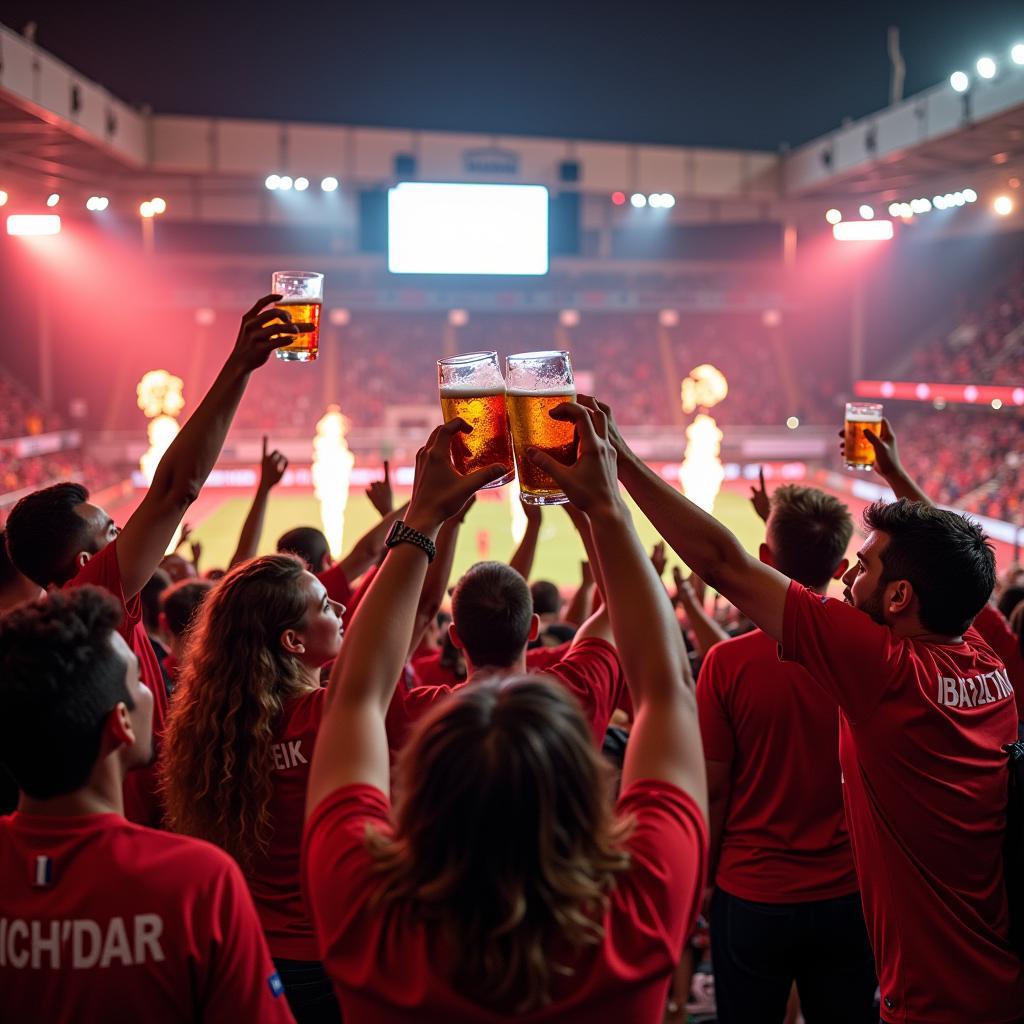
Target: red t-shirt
995, 631
274, 878
387, 966
922, 726
784, 837
103, 920
590, 672
429, 671
141, 802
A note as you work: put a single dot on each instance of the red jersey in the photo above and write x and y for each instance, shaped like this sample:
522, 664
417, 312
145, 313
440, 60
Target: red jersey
784, 838
388, 967
922, 726
103, 920
995, 631
274, 878
590, 672
429, 671
141, 803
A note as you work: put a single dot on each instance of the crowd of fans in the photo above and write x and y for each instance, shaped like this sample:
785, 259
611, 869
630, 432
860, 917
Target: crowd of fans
21, 413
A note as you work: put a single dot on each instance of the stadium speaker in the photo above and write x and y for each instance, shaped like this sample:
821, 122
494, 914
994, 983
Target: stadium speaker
564, 223
373, 220
405, 166
569, 171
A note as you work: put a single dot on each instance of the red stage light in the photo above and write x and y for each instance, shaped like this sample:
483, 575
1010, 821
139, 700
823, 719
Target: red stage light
33, 224
619, 198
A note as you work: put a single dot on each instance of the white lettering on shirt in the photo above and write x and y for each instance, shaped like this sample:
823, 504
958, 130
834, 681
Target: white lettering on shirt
287, 755
955, 692
46, 944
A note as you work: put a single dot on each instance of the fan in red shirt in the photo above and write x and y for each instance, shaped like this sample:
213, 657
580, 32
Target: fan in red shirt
465, 901
786, 906
101, 919
240, 738
57, 538
925, 709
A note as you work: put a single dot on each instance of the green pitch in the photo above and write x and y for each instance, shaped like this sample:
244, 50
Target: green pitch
486, 533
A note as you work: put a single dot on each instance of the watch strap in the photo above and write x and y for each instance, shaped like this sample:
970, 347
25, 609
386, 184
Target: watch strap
402, 534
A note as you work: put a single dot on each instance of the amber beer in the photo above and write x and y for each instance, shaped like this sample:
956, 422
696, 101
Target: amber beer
533, 427
488, 442
304, 347
858, 453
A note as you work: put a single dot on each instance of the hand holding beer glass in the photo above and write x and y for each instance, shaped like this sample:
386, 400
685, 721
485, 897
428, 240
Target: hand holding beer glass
858, 451
302, 294
471, 386
537, 382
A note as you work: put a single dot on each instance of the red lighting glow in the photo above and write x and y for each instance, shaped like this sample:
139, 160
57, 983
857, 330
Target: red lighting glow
619, 198
862, 231
962, 394
33, 224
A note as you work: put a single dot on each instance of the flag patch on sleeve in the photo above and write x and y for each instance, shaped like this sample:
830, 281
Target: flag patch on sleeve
276, 985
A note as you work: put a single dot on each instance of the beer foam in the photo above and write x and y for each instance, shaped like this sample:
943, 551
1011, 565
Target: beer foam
556, 392
298, 300
470, 391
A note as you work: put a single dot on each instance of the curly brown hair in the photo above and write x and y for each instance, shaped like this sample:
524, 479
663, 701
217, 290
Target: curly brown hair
234, 680
505, 837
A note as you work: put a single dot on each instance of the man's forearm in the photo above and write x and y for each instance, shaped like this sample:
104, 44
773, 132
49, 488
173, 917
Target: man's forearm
904, 486
706, 632
522, 559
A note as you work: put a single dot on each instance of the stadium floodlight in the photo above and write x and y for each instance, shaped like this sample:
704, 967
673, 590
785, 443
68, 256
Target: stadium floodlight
3, 197
958, 199
986, 67
301, 184
970, 195
638, 200
793, 422
1003, 205
939, 202
97, 203
285, 183
862, 231
159, 205
26, 224
146, 209
1017, 54
997, 404
867, 212
53, 199
667, 200
959, 81
273, 182
329, 184
833, 216
654, 200
895, 209
920, 205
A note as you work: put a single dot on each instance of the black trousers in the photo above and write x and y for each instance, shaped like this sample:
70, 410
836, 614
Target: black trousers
309, 992
759, 949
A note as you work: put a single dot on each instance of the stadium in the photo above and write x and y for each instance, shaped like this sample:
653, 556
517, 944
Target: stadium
730, 305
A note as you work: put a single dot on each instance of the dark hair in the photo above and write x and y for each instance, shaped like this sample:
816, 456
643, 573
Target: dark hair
1011, 597
180, 602
547, 598
149, 598
60, 678
8, 573
944, 556
491, 611
308, 543
44, 533
808, 533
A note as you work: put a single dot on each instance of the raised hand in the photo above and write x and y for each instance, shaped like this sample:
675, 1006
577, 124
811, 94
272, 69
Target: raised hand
533, 514
380, 493
887, 459
658, 559
759, 497
196, 547
261, 331
186, 532
614, 437
272, 467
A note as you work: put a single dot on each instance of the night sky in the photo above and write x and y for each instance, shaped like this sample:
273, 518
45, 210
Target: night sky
716, 74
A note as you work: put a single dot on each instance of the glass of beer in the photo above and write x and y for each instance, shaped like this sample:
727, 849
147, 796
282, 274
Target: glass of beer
302, 294
471, 386
537, 382
857, 448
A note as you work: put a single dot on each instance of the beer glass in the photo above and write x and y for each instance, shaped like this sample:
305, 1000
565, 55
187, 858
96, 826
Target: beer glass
857, 448
537, 382
302, 294
471, 386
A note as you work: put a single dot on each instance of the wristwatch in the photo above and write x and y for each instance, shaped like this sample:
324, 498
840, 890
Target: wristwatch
402, 534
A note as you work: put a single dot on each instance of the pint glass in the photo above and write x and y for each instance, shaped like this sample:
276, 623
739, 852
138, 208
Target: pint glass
537, 382
471, 386
302, 295
857, 448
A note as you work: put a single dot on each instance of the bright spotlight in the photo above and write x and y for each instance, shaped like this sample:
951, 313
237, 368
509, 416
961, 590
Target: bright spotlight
638, 200
970, 195
273, 182
986, 67
867, 212
329, 184
833, 216
997, 404
3, 197
285, 183
793, 422
1017, 54
668, 200
959, 199
920, 205
33, 224
301, 184
1003, 205
654, 200
618, 198
146, 209
895, 209
939, 202
97, 203
53, 199
159, 205
862, 231
959, 81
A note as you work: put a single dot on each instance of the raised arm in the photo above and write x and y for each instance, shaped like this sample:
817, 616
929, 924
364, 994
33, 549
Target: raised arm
583, 600
352, 746
367, 550
711, 550
596, 625
187, 462
272, 467
690, 597
665, 740
523, 556
889, 467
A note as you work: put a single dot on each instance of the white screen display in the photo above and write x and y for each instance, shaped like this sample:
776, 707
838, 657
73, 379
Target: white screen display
438, 228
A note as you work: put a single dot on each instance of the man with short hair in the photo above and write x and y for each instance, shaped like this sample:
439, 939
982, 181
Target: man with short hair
786, 906
101, 918
58, 539
179, 605
14, 587
925, 709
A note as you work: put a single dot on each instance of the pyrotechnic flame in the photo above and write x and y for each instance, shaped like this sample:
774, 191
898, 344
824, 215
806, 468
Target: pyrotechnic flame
160, 398
161, 431
516, 509
332, 470
701, 473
